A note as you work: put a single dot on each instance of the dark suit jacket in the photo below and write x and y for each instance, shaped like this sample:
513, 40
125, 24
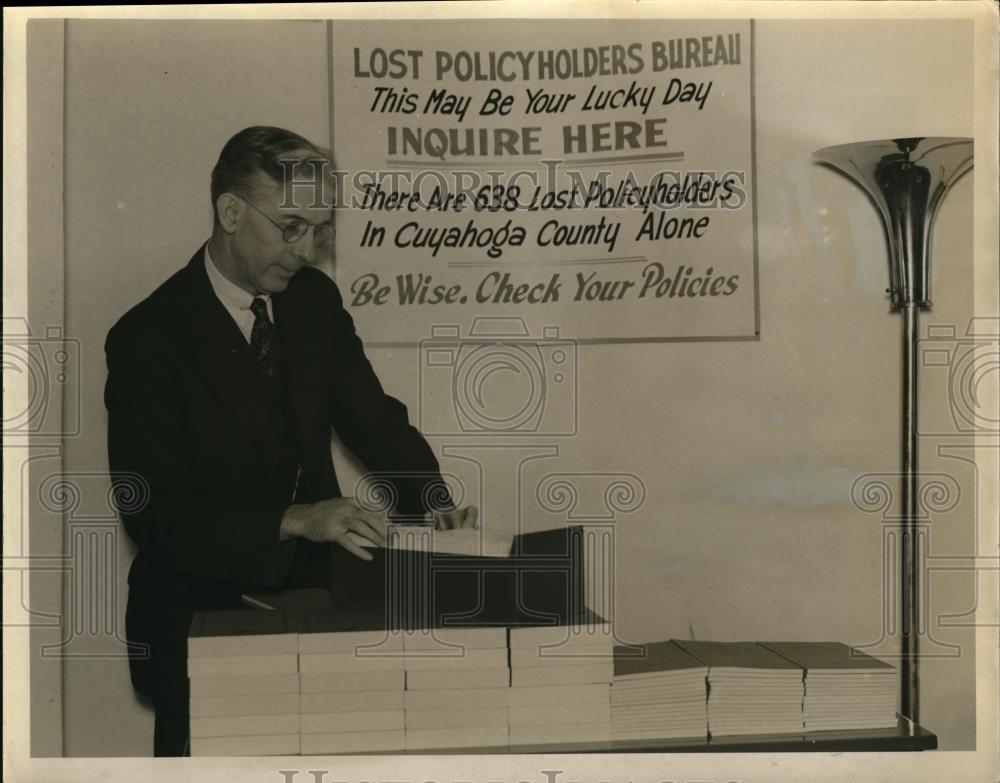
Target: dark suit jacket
187, 412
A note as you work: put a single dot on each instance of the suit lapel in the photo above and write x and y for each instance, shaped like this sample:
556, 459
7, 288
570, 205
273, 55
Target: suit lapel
221, 354
301, 330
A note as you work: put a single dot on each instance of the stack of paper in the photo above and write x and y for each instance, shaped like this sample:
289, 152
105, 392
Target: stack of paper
545, 714
469, 541
844, 688
659, 692
243, 671
352, 683
457, 681
751, 690
561, 683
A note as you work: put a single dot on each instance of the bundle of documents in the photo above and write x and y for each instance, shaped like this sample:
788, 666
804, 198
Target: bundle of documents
659, 692
751, 690
561, 682
457, 681
468, 541
352, 684
328, 681
243, 672
844, 688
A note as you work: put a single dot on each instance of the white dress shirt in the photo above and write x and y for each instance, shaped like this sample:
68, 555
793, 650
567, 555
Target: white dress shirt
235, 299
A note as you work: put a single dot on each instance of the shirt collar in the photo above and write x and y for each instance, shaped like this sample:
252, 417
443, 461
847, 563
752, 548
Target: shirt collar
228, 292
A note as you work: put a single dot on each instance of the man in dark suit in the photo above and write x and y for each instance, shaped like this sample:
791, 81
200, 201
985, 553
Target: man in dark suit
223, 386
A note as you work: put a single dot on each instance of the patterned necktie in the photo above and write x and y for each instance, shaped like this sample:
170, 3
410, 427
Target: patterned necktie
264, 338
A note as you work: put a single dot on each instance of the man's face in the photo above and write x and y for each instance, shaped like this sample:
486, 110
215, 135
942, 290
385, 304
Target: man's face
265, 262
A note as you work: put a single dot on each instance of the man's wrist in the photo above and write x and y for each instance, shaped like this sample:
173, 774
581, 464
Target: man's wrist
291, 523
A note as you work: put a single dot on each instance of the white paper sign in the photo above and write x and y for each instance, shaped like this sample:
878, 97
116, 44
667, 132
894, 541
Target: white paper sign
594, 179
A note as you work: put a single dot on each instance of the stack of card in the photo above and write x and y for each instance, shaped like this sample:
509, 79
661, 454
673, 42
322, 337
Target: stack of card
561, 682
844, 688
352, 684
457, 681
751, 690
243, 671
659, 692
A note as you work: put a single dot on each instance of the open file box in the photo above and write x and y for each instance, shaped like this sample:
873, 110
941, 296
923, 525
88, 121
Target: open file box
540, 582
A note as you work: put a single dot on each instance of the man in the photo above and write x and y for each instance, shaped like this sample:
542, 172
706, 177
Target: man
223, 386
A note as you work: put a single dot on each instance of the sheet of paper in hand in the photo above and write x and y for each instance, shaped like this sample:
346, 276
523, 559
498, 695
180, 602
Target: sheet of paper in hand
473, 542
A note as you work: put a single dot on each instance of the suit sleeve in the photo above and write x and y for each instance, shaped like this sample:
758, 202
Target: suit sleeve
376, 427
180, 520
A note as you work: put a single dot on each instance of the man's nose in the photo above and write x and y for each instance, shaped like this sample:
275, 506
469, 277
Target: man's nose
304, 249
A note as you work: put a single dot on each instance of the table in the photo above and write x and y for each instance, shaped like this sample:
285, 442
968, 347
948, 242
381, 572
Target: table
905, 737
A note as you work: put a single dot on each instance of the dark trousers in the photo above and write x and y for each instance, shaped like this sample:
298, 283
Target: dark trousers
170, 734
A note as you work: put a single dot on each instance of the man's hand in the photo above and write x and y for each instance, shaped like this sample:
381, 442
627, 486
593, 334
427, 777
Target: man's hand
330, 520
457, 517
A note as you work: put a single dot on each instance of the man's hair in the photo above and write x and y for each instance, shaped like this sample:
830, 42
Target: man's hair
255, 151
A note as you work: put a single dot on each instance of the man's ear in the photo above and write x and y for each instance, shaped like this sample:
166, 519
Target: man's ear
229, 209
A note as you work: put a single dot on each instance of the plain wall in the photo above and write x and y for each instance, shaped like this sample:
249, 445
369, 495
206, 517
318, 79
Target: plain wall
746, 451
45, 309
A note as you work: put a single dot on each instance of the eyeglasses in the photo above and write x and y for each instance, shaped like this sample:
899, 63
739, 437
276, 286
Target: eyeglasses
293, 231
